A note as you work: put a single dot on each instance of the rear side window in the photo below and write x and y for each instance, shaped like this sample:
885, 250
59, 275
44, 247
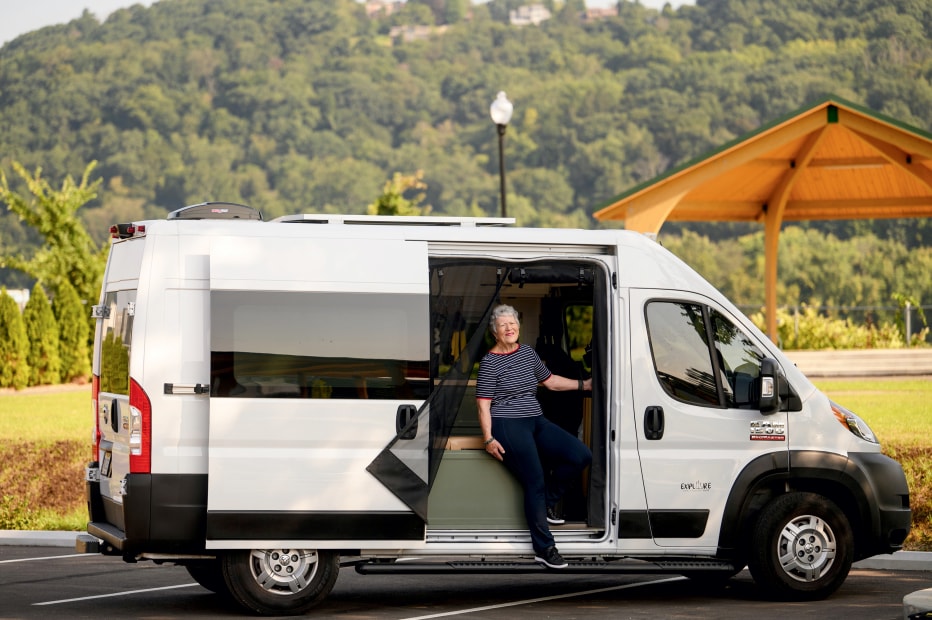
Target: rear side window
701, 357
115, 342
318, 345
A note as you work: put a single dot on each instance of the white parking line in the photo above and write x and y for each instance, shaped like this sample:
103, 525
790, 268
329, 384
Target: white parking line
51, 557
128, 592
543, 599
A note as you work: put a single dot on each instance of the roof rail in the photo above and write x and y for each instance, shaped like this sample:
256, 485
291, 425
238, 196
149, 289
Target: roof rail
394, 220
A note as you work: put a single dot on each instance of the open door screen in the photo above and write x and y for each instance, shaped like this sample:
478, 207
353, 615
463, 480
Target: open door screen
461, 300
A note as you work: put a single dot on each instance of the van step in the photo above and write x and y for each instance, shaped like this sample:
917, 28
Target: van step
621, 565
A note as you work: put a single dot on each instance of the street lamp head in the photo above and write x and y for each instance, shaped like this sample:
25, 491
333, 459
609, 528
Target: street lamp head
501, 109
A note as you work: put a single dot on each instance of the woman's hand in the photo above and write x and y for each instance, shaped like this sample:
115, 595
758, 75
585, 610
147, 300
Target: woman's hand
495, 449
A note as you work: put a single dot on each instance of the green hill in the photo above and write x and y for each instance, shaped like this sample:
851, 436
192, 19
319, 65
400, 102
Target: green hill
310, 105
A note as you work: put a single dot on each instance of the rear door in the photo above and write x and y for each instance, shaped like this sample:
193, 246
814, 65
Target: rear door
694, 370
113, 342
115, 337
319, 355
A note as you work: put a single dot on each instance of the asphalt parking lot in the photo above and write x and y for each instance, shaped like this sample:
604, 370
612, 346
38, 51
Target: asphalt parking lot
42, 582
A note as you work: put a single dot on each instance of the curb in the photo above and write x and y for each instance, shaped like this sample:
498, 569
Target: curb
34, 538
900, 560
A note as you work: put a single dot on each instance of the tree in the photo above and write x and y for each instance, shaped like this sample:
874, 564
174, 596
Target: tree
69, 253
42, 334
72, 334
393, 202
14, 346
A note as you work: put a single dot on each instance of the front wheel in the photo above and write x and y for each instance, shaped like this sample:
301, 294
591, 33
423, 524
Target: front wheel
280, 581
802, 547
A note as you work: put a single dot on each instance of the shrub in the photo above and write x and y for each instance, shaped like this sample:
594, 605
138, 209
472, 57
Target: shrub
15, 513
14, 345
42, 333
73, 334
809, 330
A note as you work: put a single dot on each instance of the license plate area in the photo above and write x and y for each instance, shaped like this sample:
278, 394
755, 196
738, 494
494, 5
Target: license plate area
106, 463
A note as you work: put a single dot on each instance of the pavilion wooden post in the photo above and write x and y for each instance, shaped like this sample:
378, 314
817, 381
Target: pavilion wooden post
771, 245
773, 220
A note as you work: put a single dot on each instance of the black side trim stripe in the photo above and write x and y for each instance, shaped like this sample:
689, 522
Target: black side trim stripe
678, 523
295, 525
662, 523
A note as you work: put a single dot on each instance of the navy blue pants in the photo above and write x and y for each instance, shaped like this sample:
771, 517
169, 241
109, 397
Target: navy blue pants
546, 460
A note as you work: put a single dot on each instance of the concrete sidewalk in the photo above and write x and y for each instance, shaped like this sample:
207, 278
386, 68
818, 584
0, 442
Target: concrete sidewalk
901, 560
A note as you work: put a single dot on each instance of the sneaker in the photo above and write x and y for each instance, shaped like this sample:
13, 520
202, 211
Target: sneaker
553, 517
551, 558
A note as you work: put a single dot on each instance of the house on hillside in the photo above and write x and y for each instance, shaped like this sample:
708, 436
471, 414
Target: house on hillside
529, 15
414, 32
383, 8
596, 14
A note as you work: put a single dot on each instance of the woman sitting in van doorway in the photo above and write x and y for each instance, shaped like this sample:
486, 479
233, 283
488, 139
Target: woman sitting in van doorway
516, 432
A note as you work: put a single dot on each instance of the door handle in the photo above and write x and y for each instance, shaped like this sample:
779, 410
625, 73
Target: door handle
653, 422
115, 415
403, 417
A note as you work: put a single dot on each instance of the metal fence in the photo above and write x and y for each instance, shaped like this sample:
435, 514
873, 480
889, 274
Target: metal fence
913, 319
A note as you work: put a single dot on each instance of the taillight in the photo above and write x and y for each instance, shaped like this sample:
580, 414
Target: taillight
95, 438
125, 231
140, 430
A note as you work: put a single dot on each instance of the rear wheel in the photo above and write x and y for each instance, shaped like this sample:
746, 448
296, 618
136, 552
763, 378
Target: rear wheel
208, 574
802, 547
280, 581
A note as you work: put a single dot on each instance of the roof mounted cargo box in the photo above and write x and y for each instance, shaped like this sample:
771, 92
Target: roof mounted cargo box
216, 211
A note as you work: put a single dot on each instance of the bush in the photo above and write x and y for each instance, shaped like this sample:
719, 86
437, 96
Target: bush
14, 345
73, 334
15, 513
809, 330
42, 333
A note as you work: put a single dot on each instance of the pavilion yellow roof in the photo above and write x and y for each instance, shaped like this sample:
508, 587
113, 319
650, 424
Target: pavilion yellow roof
834, 160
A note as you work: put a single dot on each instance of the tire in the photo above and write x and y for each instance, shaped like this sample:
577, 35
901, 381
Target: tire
208, 574
801, 548
280, 581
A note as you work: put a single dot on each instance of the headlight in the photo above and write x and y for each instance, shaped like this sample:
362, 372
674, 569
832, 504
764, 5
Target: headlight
853, 423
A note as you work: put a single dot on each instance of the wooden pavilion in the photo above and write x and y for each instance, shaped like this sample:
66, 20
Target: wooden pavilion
831, 161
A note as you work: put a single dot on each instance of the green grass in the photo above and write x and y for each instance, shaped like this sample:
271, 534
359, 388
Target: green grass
46, 416
896, 410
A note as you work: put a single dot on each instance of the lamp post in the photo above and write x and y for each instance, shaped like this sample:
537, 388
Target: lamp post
501, 110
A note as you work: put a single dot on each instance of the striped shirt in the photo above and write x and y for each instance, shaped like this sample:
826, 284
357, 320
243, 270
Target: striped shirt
510, 381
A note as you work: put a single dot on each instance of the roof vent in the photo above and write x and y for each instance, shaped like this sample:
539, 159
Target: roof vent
216, 211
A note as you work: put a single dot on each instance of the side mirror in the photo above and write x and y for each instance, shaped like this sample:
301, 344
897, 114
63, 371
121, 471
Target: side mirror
771, 386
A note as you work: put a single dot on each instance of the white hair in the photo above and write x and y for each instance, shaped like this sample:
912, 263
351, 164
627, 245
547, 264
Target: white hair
500, 311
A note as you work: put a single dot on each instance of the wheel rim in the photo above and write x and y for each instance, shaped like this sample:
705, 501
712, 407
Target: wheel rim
806, 548
283, 571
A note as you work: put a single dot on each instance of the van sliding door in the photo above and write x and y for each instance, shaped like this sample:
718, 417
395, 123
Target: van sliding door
319, 353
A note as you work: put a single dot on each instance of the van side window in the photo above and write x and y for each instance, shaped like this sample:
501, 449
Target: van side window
318, 345
116, 339
680, 348
680, 345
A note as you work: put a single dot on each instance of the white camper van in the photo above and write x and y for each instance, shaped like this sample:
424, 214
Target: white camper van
277, 399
